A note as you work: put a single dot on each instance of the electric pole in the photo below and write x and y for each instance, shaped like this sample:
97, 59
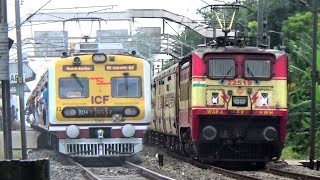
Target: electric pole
260, 21
313, 84
20, 82
5, 83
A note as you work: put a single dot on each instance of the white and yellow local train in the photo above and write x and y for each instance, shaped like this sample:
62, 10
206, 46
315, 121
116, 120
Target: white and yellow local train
98, 104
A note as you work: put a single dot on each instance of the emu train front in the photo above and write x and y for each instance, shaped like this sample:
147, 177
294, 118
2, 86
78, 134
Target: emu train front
222, 104
98, 104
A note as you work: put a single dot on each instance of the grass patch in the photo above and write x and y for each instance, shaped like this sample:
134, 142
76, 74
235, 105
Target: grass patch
17, 154
288, 153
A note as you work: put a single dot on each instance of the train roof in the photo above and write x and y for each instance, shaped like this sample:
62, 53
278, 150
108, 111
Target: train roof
201, 51
237, 49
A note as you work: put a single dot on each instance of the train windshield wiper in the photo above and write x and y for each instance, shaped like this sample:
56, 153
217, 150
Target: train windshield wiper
126, 80
77, 79
225, 76
250, 72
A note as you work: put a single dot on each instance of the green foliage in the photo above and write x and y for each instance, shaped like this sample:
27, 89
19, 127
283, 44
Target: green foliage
168, 64
143, 43
187, 41
253, 25
296, 24
297, 30
288, 153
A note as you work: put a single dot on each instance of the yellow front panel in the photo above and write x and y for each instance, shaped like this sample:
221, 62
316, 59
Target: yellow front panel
100, 85
213, 93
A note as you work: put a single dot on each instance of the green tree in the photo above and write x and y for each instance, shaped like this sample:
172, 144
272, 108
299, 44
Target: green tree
297, 30
168, 64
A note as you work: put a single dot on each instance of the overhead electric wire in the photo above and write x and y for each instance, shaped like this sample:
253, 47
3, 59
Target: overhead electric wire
35, 12
75, 7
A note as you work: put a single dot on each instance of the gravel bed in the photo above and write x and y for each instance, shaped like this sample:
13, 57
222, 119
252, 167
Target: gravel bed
174, 168
297, 169
60, 168
113, 171
263, 175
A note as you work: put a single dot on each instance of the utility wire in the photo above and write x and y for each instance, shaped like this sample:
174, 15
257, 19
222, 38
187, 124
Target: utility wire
30, 16
173, 29
75, 7
13, 27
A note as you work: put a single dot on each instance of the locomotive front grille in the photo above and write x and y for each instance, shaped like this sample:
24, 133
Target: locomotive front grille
256, 152
107, 149
100, 149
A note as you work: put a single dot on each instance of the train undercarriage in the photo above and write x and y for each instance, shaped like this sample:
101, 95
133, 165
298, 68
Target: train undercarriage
235, 141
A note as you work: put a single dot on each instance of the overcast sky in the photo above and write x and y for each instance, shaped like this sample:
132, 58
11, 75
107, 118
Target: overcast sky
183, 7
186, 8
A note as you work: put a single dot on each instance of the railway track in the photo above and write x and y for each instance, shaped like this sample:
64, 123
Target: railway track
292, 175
269, 172
274, 173
128, 171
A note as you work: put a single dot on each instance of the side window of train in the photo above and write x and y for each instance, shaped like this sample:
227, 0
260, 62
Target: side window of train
168, 83
73, 87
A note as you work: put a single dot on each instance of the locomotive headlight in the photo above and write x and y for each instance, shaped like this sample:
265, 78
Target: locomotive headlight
264, 99
270, 133
99, 58
131, 111
69, 112
209, 132
72, 131
128, 130
76, 61
239, 101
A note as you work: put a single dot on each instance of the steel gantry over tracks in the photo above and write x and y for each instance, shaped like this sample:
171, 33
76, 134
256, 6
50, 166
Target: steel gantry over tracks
129, 15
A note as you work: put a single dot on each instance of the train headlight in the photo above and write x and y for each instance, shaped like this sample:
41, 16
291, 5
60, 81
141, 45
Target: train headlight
73, 131
99, 58
128, 130
215, 98
69, 112
264, 99
239, 100
76, 61
209, 133
131, 111
270, 133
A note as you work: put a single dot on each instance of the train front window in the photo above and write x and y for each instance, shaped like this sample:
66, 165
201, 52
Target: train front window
126, 87
73, 87
257, 68
221, 68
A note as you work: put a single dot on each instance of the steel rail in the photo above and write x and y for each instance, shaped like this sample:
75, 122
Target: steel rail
146, 172
87, 173
293, 175
227, 173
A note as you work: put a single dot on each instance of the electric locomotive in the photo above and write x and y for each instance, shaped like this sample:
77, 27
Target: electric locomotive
222, 103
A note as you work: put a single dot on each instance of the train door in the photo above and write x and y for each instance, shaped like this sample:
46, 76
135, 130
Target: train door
154, 105
158, 110
176, 99
166, 101
162, 105
184, 97
169, 109
173, 103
